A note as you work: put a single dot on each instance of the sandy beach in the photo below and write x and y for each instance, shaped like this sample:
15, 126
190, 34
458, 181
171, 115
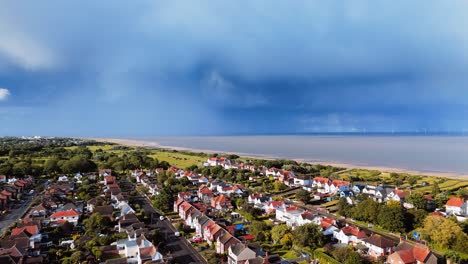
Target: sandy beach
151, 144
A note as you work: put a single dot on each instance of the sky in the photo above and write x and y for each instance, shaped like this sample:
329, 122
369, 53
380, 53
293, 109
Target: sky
142, 68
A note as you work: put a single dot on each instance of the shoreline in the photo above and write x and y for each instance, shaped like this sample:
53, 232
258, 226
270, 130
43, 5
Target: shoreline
153, 144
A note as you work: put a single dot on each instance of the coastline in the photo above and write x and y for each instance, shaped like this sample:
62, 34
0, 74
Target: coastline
153, 144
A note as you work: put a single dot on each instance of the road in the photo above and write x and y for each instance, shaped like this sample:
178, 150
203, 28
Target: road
181, 251
16, 214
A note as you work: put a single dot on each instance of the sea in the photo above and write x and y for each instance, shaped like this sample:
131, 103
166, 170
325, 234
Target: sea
415, 152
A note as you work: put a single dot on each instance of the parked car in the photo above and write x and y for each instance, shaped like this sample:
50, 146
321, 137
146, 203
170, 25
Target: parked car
161, 218
177, 234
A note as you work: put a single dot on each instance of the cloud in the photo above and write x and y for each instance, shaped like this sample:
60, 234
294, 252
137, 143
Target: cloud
255, 65
4, 94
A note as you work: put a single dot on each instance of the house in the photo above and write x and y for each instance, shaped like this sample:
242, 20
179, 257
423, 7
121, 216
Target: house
350, 235
289, 214
218, 161
224, 242
93, 202
39, 210
397, 195
105, 211
205, 194
338, 185
328, 226
240, 254
346, 194
203, 180
211, 232
456, 206
272, 206
236, 189
221, 202
138, 250
303, 181
61, 217
358, 188
105, 172
109, 180
62, 178
378, 245
177, 204
406, 253
258, 200
2, 178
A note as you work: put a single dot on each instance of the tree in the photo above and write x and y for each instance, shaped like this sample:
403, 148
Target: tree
308, 235
441, 199
367, 210
303, 196
277, 186
51, 166
416, 199
415, 218
346, 255
445, 233
353, 258
344, 208
412, 180
435, 189
257, 227
279, 231
164, 200
391, 217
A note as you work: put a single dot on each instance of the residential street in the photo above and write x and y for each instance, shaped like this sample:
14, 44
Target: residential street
16, 214
181, 250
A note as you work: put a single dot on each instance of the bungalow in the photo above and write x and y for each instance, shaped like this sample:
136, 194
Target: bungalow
61, 217
350, 235
378, 245
224, 242
412, 254
457, 206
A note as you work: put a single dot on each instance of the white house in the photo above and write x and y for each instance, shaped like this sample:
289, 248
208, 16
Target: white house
63, 178
378, 245
138, 250
350, 235
217, 161
289, 214
457, 206
61, 217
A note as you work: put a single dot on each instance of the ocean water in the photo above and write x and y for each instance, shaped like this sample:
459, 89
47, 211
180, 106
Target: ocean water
444, 154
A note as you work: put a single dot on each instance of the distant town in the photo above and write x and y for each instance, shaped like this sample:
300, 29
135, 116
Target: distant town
65, 200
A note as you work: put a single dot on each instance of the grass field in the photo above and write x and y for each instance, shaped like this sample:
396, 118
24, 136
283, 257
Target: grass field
179, 160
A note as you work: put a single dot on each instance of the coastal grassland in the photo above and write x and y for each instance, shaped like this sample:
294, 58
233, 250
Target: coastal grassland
180, 160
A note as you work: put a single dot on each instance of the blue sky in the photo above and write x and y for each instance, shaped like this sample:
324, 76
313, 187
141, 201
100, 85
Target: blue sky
139, 68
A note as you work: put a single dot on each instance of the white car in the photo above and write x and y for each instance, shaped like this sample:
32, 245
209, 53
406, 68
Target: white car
177, 234
161, 218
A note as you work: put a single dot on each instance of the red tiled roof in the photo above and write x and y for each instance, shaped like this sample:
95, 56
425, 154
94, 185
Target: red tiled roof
421, 253
275, 203
326, 222
220, 199
400, 193
349, 230
7, 193
406, 256
68, 213
32, 229
437, 214
321, 179
454, 201
2, 176
248, 237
